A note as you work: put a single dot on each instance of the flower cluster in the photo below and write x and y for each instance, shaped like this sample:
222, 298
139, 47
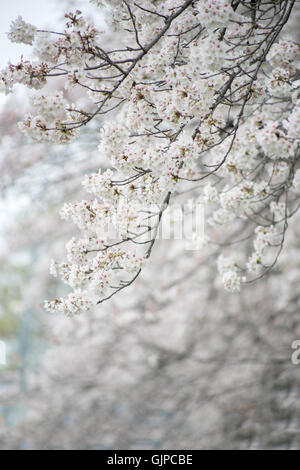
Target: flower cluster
91, 272
20, 31
229, 271
33, 76
274, 142
265, 237
53, 114
216, 13
75, 303
284, 54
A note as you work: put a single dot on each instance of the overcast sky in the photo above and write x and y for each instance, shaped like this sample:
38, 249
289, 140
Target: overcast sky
37, 12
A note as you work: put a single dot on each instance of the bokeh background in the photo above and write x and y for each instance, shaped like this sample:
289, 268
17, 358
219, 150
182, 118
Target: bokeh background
174, 362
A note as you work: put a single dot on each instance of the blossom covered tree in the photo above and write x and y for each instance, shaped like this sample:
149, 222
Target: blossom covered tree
204, 104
